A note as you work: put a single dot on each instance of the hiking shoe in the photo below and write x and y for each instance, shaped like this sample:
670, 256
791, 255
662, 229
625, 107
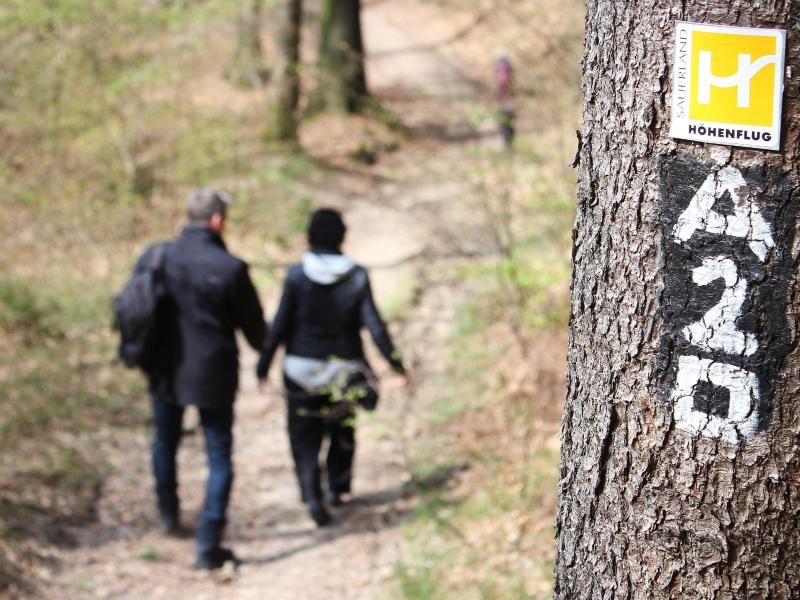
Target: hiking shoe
215, 559
336, 499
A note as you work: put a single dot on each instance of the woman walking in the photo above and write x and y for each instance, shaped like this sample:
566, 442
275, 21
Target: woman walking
326, 301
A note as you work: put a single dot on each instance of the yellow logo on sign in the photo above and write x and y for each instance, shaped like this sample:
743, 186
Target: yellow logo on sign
733, 78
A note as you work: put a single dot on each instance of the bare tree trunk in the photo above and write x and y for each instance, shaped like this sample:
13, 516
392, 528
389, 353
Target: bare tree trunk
247, 68
680, 469
342, 84
285, 93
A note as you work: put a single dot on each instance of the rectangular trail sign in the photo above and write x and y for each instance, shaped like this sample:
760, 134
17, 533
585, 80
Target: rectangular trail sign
728, 85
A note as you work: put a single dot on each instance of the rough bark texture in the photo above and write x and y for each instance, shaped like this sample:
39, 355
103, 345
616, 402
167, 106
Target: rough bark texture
247, 64
342, 84
647, 509
285, 93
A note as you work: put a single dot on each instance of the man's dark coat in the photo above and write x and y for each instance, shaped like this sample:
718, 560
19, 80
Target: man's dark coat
209, 296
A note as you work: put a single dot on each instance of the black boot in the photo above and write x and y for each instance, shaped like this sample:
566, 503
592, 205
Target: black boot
169, 523
215, 558
318, 512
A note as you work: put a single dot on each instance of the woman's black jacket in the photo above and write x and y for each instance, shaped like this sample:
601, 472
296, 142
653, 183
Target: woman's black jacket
324, 321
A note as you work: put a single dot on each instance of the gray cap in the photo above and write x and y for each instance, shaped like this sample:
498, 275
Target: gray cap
205, 202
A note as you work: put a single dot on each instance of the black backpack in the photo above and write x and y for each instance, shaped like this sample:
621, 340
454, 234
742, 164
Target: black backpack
136, 311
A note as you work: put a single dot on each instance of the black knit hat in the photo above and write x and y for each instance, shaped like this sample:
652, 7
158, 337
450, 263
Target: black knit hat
326, 229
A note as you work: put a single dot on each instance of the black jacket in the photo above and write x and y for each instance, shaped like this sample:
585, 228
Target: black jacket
209, 297
324, 321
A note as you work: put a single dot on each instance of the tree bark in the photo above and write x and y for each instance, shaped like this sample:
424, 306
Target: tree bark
247, 68
285, 93
342, 83
664, 492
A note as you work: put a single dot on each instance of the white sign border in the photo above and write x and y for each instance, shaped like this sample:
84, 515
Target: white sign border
679, 124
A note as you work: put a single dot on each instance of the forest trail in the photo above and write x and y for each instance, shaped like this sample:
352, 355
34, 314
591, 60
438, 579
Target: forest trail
417, 211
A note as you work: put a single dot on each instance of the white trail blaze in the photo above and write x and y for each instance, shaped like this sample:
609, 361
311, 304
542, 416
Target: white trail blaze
717, 329
746, 222
742, 419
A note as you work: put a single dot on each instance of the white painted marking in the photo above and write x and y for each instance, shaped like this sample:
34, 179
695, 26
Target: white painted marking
717, 329
746, 222
742, 419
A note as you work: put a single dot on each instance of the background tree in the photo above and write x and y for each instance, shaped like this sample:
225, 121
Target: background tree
342, 84
247, 68
285, 93
650, 505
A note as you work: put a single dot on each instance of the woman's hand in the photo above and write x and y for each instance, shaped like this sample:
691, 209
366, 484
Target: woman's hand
405, 380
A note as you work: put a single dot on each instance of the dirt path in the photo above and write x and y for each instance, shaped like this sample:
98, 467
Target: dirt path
419, 204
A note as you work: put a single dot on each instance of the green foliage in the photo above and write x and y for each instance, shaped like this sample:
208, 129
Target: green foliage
91, 95
540, 283
22, 308
296, 166
402, 295
68, 470
373, 107
57, 385
516, 296
275, 209
419, 581
149, 555
451, 538
531, 211
281, 123
364, 154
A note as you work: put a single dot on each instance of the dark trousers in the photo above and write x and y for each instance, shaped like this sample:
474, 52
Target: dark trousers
506, 119
218, 432
312, 418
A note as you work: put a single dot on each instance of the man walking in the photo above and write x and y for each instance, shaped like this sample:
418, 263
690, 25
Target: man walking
208, 296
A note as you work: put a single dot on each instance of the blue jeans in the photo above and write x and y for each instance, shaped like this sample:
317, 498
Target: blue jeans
218, 432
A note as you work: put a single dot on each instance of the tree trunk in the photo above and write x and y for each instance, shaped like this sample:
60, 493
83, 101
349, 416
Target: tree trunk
342, 84
247, 68
680, 469
285, 93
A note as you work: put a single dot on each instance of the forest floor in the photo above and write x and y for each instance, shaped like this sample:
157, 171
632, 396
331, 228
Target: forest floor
415, 218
